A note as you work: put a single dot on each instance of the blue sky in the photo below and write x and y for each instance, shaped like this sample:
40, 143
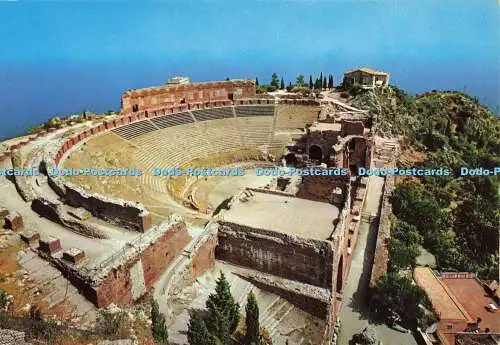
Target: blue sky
67, 55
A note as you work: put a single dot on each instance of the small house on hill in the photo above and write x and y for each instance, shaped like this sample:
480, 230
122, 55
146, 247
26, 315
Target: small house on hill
366, 78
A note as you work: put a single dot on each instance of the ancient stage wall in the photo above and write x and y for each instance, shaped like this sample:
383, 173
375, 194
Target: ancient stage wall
148, 98
304, 260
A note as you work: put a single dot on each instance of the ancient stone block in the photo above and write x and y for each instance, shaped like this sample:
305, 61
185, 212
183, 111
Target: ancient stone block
74, 255
14, 221
50, 245
31, 238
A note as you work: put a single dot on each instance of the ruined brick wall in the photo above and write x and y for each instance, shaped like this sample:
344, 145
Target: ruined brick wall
291, 257
204, 259
117, 287
163, 252
352, 127
144, 99
321, 188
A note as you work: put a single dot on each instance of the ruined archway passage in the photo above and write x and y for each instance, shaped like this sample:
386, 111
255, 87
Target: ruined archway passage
291, 160
340, 275
315, 153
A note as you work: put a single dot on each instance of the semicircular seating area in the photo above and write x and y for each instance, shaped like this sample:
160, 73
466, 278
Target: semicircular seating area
173, 140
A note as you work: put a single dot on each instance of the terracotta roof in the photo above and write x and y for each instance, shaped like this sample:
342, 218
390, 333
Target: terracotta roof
441, 298
367, 70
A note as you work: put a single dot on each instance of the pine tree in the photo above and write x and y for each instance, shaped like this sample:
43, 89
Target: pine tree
310, 82
252, 321
224, 302
282, 84
159, 327
220, 325
257, 82
198, 333
275, 81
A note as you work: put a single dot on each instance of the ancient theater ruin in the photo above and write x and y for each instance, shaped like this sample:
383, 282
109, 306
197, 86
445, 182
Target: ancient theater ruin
288, 237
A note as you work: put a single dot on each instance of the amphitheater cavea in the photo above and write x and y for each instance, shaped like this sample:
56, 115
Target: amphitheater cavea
206, 178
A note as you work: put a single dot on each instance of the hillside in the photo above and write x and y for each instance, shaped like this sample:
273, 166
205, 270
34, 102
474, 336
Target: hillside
457, 216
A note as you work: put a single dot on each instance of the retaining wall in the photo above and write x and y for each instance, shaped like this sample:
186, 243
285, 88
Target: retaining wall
381, 257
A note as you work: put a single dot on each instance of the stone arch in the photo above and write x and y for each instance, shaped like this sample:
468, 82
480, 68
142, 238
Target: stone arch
315, 152
340, 275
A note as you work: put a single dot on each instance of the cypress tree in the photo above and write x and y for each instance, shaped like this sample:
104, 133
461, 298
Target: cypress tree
222, 326
324, 82
198, 333
317, 84
310, 81
252, 321
257, 82
225, 304
159, 327
321, 80
282, 84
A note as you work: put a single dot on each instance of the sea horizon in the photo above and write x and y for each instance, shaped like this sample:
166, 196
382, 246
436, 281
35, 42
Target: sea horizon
60, 58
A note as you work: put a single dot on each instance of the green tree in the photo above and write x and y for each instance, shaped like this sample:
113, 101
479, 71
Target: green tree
219, 325
320, 80
159, 327
318, 83
407, 233
275, 82
282, 84
300, 80
198, 333
402, 255
223, 302
324, 83
252, 321
396, 294
311, 85
257, 82
330, 81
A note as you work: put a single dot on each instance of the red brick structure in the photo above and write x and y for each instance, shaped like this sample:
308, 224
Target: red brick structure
120, 285
14, 221
31, 238
50, 245
74, 255
191, 94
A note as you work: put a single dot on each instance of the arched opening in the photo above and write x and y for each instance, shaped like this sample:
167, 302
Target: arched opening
315, 153
353, 169
291, 160
340, 275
